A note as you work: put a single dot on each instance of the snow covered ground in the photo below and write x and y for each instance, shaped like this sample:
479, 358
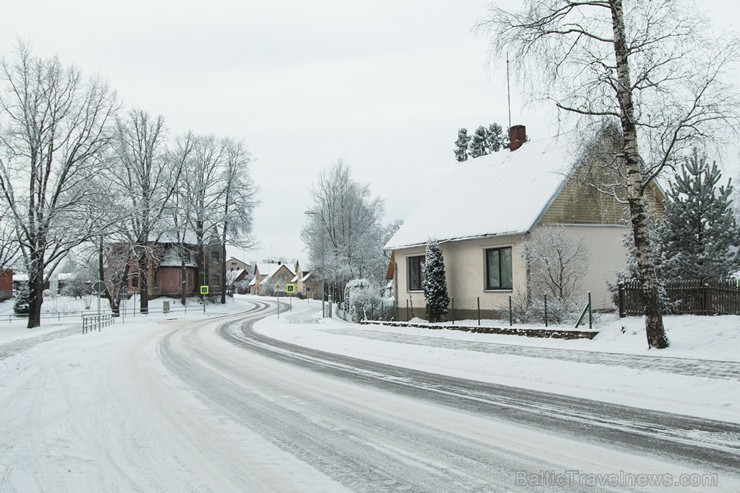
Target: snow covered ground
162, 403
699, 375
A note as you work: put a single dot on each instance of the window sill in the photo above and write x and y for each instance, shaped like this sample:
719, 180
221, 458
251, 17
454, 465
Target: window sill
502, 290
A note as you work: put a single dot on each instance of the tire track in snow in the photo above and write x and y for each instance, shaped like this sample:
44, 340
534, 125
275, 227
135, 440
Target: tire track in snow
705, 442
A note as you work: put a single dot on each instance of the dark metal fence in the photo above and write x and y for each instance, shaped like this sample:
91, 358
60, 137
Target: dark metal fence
685, 298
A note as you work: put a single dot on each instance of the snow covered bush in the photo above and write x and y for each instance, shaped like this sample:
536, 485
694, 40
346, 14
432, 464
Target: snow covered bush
558, 311
20, 307
242, 287
360, 294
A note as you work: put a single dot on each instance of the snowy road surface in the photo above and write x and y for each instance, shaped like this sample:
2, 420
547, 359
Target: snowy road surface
209, 405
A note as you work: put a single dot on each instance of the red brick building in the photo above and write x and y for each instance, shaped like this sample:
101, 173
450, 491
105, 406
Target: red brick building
165, 272
6, 284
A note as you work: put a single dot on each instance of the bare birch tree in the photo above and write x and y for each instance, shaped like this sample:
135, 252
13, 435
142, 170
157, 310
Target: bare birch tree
54, 128
648, 66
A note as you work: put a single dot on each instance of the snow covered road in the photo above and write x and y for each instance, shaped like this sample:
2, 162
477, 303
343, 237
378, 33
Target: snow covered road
208, 405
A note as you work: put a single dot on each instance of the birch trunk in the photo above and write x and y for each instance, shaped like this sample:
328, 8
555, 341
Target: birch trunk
656, 336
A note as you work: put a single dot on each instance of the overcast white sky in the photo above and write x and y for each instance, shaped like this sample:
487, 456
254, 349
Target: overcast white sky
383, 84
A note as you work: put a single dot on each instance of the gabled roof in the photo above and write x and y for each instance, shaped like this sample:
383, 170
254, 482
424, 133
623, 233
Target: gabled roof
268, 270
499, 194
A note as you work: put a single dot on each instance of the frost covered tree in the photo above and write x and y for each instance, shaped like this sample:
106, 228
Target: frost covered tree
54, 128
478, 145
202, 190
699, 238
9, 246
461, 145
556, 264
145, 180
237, 202
343, 232
496, 139
434, 283
649, 66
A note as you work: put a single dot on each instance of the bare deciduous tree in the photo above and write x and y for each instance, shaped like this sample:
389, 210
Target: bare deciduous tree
238, 200
9, 246
146, 181
647, 66
55, 127
202, 190
555, 263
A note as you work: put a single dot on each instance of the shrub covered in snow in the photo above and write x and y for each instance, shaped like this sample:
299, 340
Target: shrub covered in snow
20, 307
360, 294
558, 311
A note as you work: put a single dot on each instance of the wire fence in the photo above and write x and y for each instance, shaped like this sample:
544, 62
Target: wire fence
512, 309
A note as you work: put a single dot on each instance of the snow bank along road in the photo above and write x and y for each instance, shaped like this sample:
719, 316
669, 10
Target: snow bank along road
209, 405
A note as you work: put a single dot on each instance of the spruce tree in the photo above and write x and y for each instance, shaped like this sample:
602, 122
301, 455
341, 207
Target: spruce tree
478, 143
435, 283
461, 145
496, 139
700, 238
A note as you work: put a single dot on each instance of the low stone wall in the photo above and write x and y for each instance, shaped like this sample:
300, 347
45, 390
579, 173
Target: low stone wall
543, 333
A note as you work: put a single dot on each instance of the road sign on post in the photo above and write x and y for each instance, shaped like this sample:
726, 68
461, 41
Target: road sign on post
98, 287
204, 292
290, 288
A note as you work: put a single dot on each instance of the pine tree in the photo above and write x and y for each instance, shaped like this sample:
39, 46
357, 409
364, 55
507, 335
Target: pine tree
461, 145
700, 238
496, 139
478, 143
435, 283
20, 307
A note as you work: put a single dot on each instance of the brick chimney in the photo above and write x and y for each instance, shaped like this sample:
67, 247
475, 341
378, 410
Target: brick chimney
517, 137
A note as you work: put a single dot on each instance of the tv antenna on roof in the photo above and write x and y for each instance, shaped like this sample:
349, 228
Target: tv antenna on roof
508, 87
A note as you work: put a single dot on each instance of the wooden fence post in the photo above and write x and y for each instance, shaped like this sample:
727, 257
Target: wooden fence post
620, 286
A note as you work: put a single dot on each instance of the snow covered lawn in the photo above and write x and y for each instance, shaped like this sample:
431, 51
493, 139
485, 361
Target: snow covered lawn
698, 375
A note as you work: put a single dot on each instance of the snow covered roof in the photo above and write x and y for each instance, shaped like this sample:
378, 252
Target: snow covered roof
499, 194
268, 270
171, 257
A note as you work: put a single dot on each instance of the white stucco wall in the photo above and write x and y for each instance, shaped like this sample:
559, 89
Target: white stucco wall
465, 269
607, 256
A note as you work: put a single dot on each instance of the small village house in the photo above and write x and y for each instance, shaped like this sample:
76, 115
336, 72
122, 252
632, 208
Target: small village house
486, 207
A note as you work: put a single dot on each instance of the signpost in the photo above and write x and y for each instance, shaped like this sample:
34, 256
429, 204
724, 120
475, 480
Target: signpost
98, 288
290, 289
122, 303
204, 292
